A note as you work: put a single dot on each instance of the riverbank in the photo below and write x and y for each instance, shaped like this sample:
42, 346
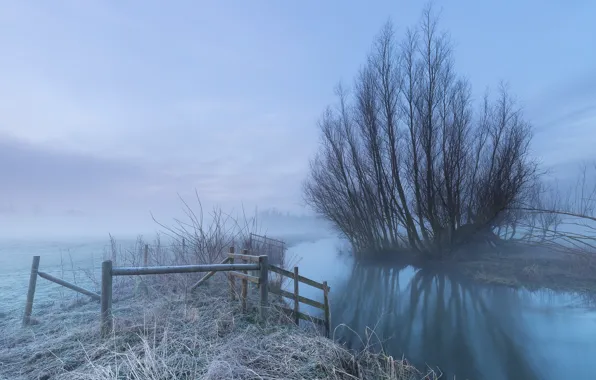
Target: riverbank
533, 270
514, 267
203, 336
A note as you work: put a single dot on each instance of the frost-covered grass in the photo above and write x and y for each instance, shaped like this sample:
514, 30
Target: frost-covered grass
198, 336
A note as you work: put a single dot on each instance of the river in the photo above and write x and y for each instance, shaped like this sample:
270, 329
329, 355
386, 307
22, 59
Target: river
464, 329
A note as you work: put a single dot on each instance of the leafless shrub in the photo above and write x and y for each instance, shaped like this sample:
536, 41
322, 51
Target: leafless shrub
198, 239
207, 243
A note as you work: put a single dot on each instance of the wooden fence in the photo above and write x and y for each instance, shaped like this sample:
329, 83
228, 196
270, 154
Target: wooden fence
108, 272
33, 283
257, 264
297, 298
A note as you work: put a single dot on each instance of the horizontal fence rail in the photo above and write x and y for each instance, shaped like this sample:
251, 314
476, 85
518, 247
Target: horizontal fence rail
302, 279
244, 256
300, 298
133, 271
68, 285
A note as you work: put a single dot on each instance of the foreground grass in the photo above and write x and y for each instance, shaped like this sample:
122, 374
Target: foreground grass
199, 336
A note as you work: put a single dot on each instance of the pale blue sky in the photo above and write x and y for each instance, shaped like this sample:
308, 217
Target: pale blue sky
108, 109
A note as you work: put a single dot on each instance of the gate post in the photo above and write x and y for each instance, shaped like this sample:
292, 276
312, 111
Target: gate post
264, 286
31, 291
107, 322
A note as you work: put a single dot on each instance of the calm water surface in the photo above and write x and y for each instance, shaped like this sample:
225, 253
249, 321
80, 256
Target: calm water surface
466, 330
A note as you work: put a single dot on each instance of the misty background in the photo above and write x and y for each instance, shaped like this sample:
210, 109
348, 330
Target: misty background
109, 110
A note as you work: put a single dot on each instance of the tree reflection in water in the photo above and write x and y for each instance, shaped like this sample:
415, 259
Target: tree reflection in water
436, 319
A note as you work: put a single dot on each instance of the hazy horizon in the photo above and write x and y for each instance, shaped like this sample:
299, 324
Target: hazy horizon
108, 111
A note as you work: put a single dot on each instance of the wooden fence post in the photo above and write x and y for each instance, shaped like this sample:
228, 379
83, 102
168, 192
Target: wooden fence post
146, 255
244, 293
31, 291
264, 286
255, 273
296, 295
183, 245
106, 298
327, 311
232, 279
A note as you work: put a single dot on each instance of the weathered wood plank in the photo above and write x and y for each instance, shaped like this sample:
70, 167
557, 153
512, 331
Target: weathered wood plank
245, 276
283, 272
68, 285
208, 275
254, 259
139, 271
303, 316
302, 279
302, 299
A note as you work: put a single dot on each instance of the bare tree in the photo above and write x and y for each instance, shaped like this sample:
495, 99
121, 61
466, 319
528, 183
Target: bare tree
405, 163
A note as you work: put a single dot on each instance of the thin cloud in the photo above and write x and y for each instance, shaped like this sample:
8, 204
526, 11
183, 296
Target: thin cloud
27, 169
